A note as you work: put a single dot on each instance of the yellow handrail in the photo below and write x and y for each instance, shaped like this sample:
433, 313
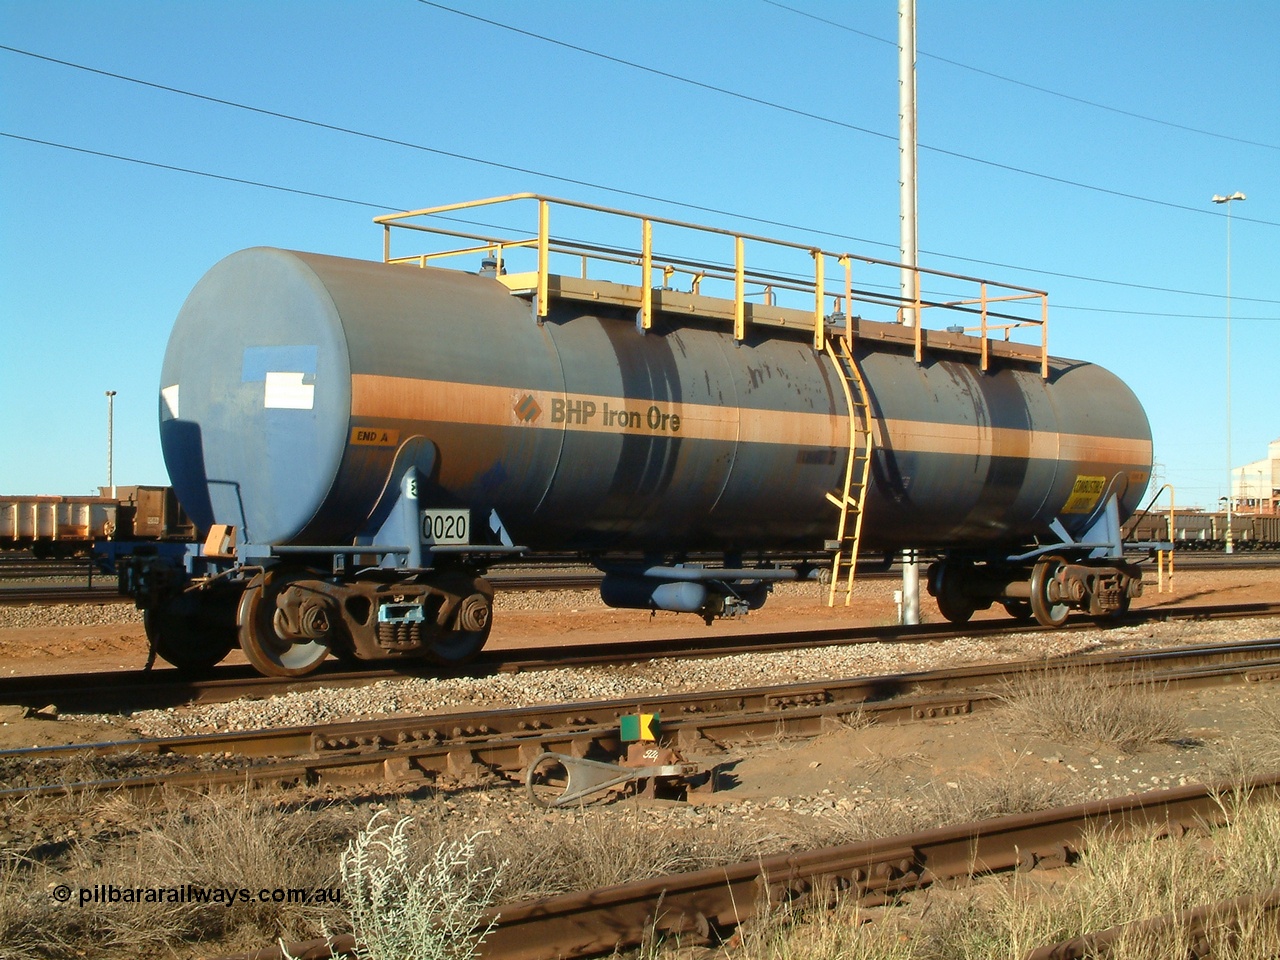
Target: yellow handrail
739, 273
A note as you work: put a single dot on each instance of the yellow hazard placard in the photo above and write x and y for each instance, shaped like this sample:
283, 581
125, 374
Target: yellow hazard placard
1085, 494
374, 437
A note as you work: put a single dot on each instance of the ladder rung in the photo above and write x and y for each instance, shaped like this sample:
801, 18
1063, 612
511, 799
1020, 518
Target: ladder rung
849, 503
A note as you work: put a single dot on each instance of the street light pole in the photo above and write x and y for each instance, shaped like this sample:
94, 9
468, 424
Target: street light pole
908, 242
111, 419
1217, 198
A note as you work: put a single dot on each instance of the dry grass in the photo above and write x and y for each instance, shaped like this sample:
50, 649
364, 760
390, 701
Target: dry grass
875, 764
1239, 760
983, 798
217, 841
225, 841
232, 840
1075, 707
1117, 883
601, 847
1012, 789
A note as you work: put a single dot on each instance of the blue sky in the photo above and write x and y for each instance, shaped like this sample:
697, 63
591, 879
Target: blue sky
1071, 147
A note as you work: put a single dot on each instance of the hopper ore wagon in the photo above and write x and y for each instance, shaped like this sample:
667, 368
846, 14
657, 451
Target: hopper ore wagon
1197, 530
56, 526
362, 439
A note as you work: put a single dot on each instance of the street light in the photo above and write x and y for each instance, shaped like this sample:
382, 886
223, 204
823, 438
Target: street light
1217, 198
111, 417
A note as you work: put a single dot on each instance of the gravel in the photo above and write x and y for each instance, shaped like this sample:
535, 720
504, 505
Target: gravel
34, 616
414, 696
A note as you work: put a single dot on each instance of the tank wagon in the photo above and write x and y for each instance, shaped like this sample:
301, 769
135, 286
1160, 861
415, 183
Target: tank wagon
361, 439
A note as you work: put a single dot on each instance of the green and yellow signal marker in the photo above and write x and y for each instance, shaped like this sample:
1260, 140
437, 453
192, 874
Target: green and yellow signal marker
638, 726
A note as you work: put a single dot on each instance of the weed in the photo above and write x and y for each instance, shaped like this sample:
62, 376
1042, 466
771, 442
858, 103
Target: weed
431, 913
1071, 706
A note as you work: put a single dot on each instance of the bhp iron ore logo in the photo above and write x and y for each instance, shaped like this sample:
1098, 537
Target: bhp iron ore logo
527, 409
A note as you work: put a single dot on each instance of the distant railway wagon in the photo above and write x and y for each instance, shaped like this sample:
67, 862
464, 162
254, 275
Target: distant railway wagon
52, 526
1198, 530
362, 440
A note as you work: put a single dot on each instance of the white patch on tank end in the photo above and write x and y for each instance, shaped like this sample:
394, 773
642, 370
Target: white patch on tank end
169, 402
285, 390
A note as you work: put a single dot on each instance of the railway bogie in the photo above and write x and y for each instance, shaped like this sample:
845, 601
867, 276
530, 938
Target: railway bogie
1046, 590
363, 440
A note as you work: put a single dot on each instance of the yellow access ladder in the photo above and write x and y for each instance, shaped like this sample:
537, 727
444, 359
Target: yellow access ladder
857, 473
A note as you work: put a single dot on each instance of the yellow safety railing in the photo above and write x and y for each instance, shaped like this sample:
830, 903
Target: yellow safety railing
989, 307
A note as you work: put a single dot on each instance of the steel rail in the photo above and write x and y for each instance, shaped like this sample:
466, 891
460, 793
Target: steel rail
124, 690
46, 596
707, 903
503, 742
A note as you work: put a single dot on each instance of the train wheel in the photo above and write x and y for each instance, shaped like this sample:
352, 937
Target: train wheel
1019, 609
473, 622
468, 628
1047, 612
271, 654
952, 603
190, 635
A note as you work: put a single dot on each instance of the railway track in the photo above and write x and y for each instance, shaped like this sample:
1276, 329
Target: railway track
505, 741
156, 689
48, 595
692, 906
704, 906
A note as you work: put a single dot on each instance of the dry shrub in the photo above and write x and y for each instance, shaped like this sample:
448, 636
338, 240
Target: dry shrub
1076, 707
402, 907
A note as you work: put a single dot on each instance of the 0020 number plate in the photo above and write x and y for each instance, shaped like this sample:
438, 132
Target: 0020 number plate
446, 527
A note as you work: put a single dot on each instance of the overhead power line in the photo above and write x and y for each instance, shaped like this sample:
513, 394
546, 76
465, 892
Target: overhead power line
397, 207
773, 105
408, 144
576, 182
202, 173
1029, 86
